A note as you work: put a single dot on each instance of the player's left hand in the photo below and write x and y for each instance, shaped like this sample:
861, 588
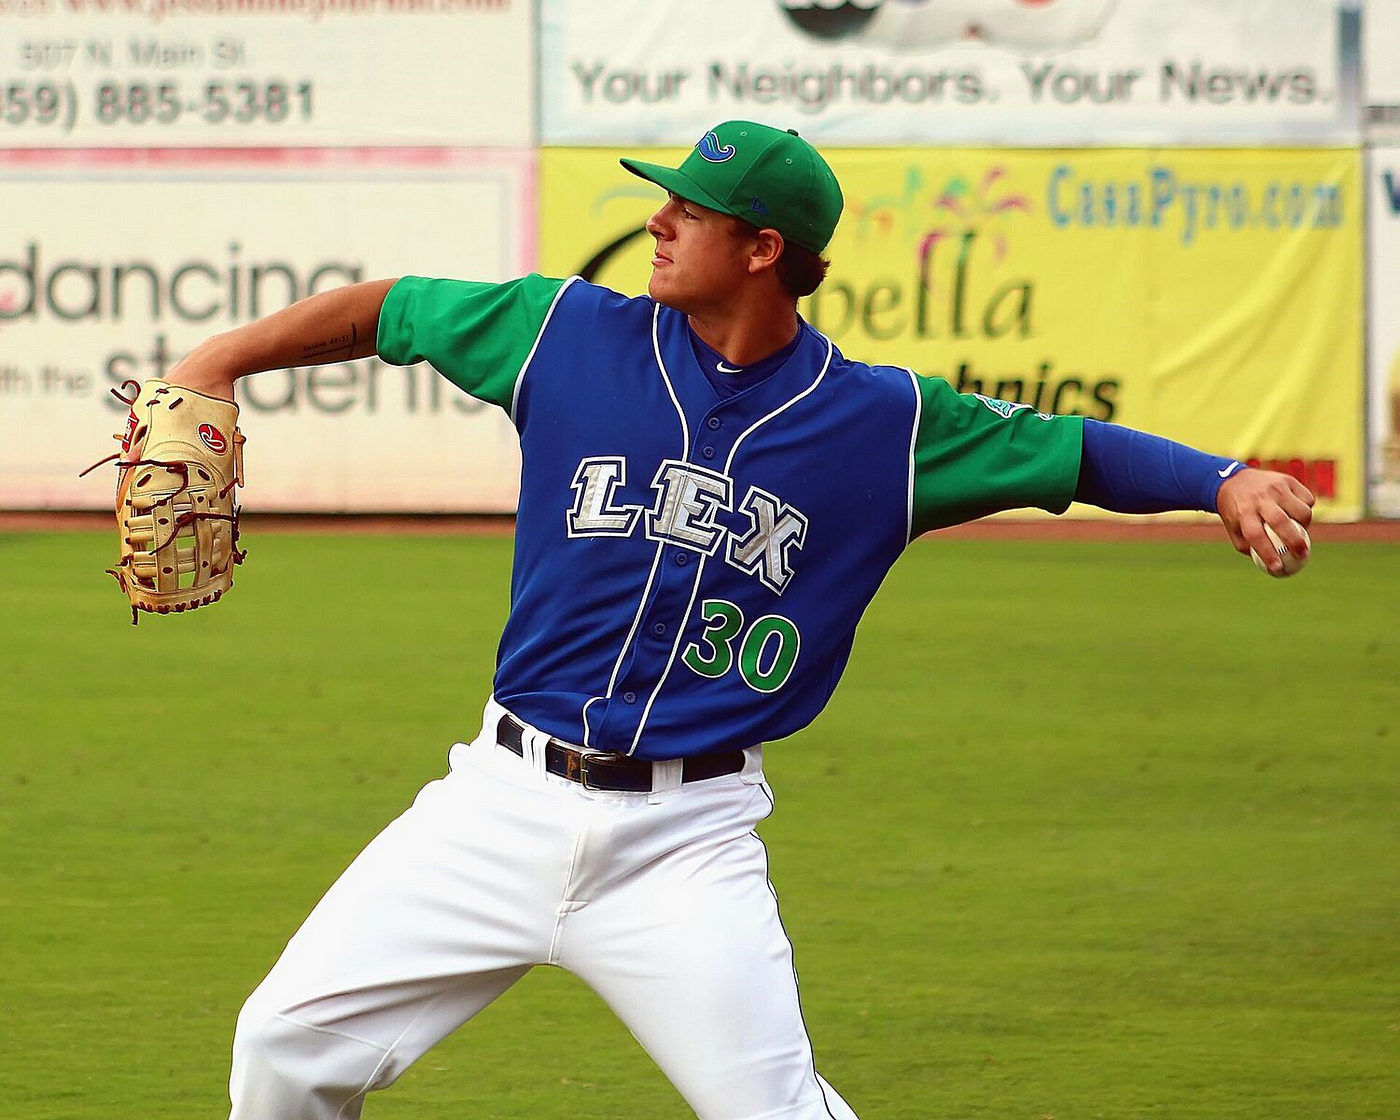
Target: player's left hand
1250, 499
177, 524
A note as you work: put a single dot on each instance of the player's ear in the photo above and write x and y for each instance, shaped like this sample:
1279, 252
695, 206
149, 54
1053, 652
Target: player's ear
768, 247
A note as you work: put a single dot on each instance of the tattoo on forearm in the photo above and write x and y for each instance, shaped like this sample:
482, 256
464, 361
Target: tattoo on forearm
328, 348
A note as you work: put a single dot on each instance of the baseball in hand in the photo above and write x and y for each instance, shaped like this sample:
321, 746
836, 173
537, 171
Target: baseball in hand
1292, 563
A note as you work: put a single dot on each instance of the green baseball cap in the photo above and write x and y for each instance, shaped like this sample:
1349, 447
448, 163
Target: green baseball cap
768, 177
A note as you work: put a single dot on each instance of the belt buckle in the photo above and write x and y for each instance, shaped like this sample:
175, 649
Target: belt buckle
602, 760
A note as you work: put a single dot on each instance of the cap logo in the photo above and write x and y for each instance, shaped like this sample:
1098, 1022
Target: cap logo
711, 149
757, 206
213, 438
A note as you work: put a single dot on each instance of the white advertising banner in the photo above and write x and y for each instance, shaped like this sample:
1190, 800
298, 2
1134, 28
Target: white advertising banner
1030, 73
159, 73
114, 264
1384, 319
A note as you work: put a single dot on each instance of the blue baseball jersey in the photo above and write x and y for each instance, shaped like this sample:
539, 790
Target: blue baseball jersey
691, 564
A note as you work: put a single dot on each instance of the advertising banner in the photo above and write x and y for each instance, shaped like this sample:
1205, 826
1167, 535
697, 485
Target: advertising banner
1384, 172
1211, 297
1381, 67
1015, 72
161, 73
115, 264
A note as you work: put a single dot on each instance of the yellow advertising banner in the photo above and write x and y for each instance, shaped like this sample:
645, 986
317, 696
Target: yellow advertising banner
1213, 297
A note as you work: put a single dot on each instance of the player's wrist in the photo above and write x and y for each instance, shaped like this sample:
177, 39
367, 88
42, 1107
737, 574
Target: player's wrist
210, 368
1210, 494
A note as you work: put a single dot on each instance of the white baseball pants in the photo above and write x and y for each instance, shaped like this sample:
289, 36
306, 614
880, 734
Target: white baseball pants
660, 902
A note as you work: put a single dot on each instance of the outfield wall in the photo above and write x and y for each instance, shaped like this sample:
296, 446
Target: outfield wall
103, 289
1154, 221
173, 168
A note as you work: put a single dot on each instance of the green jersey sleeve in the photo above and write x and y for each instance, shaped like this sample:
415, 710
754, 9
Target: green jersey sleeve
478, 336
973, 456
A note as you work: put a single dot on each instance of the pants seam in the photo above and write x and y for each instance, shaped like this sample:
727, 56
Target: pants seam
363, 1091
298, 1023
792, 953
566, 905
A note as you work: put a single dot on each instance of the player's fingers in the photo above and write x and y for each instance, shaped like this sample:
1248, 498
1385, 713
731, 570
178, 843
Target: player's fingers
1304, 495
1297, 509
1252, 528
1301, 490
1248, 528
1232, 515
1290, 533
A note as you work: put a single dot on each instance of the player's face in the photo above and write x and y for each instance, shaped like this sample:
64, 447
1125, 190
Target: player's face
700, 260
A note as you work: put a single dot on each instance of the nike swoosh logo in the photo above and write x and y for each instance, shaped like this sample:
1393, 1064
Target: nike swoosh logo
726, 369
1228, 471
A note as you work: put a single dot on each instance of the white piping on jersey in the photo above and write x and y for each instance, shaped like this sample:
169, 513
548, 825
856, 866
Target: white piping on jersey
700, 567
636, 621
656, 349
826, 364
520, 377
591, 700
913, 440
626, 642
671, 660
656, 560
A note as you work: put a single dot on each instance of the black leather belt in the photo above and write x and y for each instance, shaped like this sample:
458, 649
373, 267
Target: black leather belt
616, 772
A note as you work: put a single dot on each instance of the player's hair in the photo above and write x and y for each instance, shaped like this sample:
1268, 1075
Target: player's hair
800, 271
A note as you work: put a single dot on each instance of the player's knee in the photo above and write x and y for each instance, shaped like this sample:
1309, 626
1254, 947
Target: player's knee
276, 1057
268, 1047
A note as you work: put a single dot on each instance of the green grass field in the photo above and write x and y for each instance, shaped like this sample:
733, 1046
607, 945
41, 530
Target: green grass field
1089, 831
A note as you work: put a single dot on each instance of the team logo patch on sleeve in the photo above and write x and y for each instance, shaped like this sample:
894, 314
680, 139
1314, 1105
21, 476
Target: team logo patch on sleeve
1006, 409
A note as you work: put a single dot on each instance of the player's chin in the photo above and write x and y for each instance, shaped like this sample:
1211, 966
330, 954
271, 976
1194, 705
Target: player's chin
662, 288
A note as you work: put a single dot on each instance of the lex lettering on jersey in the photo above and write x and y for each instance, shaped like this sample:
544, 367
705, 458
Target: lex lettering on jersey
685, 512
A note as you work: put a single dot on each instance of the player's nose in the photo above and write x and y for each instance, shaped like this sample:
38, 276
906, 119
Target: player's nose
657, 225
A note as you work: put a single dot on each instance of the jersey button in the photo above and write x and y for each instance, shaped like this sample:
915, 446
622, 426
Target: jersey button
659, 629
682, 559
708, 452
713, 423
629, 697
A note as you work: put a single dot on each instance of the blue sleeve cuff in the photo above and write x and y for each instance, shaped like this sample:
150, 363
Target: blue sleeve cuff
1128, 471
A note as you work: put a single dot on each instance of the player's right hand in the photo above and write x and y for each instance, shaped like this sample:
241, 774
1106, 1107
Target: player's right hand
1250, 499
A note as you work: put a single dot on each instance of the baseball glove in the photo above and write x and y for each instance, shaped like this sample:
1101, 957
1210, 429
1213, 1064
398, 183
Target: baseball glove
177, 525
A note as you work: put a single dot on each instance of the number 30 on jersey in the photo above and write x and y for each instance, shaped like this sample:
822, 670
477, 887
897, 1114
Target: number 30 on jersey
766, 651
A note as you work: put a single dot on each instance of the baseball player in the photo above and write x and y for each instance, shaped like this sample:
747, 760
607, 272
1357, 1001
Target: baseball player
711, 494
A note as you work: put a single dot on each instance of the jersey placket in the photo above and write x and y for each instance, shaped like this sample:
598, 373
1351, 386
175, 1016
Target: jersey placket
685, 521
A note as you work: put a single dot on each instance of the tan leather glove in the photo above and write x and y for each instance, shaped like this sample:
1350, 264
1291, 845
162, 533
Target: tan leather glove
177, 525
